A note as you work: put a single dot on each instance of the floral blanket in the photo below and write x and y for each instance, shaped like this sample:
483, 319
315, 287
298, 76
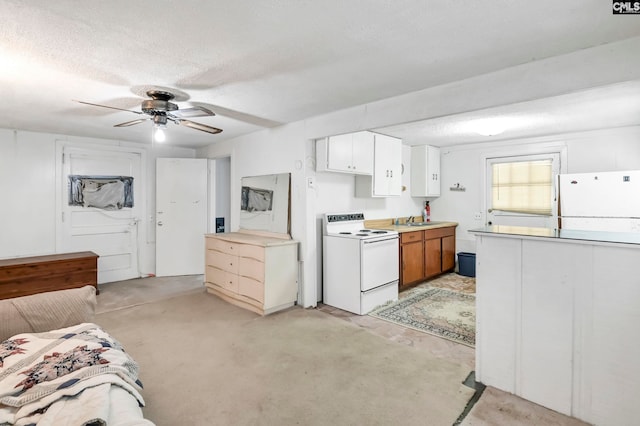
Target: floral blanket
42, 372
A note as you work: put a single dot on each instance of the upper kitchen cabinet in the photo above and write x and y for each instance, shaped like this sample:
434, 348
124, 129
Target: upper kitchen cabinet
348, 153
425, 171
386, 180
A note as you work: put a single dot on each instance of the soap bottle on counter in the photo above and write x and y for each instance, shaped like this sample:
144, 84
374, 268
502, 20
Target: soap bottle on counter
426, 214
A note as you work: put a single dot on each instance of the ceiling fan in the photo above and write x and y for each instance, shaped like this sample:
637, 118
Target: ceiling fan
160, 109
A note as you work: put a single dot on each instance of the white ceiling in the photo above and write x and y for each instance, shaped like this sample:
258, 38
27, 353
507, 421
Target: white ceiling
258, 64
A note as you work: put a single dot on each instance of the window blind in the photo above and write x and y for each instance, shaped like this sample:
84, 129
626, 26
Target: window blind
523, 187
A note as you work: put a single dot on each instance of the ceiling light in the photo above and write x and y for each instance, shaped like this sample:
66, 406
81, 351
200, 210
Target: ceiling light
158, 134
489, 126
159, 126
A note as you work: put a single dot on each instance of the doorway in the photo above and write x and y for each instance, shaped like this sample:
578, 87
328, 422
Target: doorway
110, 231
181, 215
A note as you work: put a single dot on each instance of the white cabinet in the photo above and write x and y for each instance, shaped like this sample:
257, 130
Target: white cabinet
425, 171
348, 153
255, 272
386, 180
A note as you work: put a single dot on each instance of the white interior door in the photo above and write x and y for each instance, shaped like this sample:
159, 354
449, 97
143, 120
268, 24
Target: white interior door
181, 215
111, 234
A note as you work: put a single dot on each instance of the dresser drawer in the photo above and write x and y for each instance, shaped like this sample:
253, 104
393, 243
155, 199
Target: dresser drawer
254, 252
251, 268
222, 245
222, 278
224, 261
251, 288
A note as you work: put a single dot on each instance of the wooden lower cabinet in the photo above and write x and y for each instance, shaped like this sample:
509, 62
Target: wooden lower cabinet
411, 255
432, 257
449, 252
255, 272
425, 254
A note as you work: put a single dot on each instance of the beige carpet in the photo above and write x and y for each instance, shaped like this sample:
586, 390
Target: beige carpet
206, 362
499, 408
138, 291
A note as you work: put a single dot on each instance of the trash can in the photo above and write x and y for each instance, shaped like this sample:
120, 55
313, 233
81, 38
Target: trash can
467, 264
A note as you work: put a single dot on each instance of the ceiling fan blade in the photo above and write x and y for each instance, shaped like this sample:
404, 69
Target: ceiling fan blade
131, 123
199, 126
196, 111
105, 106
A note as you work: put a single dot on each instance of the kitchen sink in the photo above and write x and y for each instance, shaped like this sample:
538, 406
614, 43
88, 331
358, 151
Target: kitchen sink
422, 223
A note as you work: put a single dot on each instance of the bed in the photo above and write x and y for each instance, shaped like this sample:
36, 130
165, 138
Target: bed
57, 367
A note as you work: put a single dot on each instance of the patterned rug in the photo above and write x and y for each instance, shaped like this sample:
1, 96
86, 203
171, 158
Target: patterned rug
438, 311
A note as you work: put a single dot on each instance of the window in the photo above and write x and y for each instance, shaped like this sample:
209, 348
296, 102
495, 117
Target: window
103, 192
522, 187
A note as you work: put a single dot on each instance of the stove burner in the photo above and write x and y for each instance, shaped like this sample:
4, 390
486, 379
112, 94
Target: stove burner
365, 230
362, 235
345, 233
379, 232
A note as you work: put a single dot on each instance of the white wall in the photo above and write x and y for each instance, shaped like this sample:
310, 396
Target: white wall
28, 191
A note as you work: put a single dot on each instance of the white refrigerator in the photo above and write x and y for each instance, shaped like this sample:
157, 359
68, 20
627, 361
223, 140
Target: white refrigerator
606, 201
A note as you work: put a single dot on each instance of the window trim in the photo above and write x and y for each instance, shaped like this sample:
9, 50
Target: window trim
532, 150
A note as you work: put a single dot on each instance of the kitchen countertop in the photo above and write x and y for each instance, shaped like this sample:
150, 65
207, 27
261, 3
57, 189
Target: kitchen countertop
561, 234
387, 224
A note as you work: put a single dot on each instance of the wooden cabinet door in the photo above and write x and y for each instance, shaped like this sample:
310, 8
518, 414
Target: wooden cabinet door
362, 153
432, 257
412, 257
387, 171
448, 253
339, 156
433, 171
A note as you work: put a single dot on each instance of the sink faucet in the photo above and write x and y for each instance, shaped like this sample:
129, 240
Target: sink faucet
411, 218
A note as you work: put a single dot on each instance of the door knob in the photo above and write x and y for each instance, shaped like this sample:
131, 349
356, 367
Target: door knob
159, 223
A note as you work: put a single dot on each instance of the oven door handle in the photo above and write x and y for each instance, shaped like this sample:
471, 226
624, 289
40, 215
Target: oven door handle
382, 240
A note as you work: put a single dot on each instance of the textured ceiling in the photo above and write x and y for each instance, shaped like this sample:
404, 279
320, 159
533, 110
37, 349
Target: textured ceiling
258, 64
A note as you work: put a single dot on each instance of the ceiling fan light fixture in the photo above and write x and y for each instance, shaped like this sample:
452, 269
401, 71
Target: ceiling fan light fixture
158, 133
159, 126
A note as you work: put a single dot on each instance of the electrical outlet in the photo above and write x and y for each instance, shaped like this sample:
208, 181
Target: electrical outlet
477, 216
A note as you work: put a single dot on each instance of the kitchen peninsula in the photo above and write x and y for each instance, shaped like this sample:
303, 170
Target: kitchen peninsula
557, 316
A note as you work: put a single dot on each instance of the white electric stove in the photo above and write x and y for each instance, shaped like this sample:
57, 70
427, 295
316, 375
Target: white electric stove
360, 265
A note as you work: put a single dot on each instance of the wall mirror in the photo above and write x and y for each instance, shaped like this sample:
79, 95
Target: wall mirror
265, 203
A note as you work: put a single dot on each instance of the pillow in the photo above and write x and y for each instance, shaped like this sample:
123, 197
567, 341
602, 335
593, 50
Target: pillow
47, 311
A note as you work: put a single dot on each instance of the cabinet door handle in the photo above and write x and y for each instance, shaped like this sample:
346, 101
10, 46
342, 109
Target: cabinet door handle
391, 171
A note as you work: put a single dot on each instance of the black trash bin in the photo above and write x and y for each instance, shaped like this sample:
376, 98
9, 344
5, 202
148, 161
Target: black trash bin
467, 264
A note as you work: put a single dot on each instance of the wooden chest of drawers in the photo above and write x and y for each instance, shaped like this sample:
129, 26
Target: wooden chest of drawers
255, 272
30, 275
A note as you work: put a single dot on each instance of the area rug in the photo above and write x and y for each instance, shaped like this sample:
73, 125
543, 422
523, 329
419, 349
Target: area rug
438, 311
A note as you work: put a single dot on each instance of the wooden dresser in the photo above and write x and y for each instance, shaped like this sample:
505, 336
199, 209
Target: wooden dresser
30, 275
255, 272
